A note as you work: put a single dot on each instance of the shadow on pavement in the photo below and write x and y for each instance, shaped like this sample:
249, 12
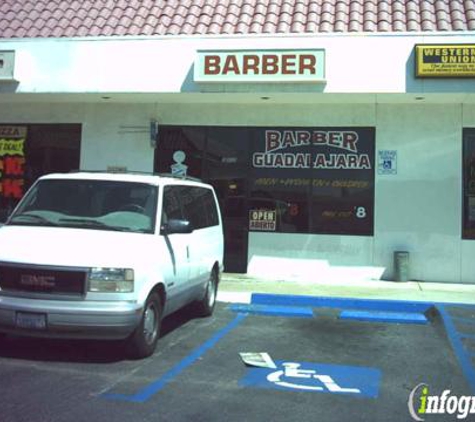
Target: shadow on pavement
79, 351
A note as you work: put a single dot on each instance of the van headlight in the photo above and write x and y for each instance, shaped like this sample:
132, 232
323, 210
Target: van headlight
111, 280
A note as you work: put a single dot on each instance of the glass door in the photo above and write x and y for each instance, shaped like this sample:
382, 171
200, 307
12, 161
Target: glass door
218, 156
226, 168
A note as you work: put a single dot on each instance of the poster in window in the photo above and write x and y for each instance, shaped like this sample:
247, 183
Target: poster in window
323, 176
12, 161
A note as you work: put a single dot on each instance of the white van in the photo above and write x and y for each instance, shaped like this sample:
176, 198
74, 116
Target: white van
108, 255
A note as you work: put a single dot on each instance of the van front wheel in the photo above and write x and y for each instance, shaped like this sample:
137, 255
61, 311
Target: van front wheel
143, 341
205, 306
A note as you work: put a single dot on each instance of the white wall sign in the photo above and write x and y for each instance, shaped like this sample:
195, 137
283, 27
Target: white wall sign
7, 65
387, 162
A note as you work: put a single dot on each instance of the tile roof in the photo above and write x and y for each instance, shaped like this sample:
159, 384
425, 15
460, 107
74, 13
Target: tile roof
80, 18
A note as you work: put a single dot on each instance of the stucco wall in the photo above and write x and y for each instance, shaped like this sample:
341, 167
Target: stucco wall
418, 210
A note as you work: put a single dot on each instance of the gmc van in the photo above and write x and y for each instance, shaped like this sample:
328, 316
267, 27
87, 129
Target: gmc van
107, 256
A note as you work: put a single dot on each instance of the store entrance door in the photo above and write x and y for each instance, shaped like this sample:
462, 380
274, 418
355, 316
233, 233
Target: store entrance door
218, 156
234, 214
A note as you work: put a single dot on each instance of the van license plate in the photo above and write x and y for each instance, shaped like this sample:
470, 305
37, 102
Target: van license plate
31, 321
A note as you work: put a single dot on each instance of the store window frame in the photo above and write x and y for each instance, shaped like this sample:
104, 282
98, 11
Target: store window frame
468, 184
43, 152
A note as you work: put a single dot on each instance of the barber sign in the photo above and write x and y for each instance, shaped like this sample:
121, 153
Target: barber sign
260, 66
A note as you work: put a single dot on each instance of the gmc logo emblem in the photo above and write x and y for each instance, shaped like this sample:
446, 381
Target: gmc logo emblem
37, 280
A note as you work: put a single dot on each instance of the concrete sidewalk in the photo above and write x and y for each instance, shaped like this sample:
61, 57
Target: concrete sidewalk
239, 287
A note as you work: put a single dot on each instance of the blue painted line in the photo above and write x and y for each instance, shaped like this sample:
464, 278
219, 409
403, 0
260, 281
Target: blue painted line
147, 392
285, 311
340, 303
379, 316
463, 357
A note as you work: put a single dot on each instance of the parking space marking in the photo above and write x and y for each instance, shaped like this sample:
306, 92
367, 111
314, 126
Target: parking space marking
463, 354
316, 378
147, 392
380, 316
340, 303
284, 311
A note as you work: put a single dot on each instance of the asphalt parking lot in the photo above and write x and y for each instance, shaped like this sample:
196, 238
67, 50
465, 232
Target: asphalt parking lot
327, 369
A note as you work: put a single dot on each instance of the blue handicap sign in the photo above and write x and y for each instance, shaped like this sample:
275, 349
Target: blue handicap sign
316, 377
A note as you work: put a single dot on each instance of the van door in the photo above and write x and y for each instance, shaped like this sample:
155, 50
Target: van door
199, 207
177, 246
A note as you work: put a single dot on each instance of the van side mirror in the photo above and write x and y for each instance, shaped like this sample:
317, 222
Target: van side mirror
176, 226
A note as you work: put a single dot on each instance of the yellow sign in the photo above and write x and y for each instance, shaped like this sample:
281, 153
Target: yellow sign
445, 60
12, 147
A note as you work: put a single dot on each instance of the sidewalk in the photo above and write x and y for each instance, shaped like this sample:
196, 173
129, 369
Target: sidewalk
239, 287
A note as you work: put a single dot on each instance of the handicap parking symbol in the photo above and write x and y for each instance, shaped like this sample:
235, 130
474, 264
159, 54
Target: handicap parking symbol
316, 377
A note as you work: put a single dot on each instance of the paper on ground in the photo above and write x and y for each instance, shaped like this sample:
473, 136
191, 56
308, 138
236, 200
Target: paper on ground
261, 360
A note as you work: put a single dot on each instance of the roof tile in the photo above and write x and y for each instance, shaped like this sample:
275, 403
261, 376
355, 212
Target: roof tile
73, 18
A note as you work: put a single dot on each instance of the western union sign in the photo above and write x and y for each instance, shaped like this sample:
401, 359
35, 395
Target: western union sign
445, 60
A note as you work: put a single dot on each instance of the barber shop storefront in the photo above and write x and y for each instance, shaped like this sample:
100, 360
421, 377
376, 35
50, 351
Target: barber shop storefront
328, 154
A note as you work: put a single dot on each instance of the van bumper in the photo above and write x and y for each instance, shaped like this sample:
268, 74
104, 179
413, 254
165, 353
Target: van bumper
69, 319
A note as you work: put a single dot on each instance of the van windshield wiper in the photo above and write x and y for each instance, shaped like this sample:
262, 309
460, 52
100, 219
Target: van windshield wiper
31, 219
90, 224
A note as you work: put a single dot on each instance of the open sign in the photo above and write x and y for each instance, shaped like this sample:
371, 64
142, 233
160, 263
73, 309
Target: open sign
264, 220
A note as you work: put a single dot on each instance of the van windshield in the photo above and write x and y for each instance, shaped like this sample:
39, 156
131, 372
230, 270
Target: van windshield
89, 204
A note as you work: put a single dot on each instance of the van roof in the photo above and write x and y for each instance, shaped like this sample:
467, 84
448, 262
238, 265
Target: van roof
149, 178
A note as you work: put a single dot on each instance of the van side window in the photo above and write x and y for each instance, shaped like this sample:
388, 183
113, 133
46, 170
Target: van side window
171, 204
210, 207
199, 206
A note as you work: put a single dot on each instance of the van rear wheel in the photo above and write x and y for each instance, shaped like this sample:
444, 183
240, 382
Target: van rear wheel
205, 306
143, 341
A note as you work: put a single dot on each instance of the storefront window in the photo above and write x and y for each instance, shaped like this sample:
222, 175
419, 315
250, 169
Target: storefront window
281, 179
29, 151
468, 228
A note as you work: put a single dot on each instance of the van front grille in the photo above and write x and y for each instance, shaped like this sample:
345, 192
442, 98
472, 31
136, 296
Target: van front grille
47, 280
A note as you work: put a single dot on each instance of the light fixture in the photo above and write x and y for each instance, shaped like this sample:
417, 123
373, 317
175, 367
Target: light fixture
153, 133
